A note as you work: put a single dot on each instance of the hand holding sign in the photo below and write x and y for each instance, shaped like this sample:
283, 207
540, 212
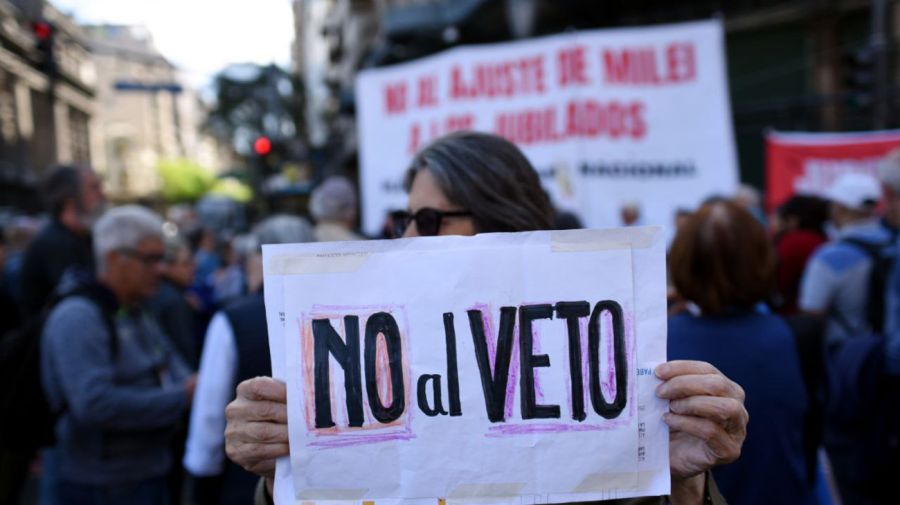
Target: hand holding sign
707, 418
257, 433
708, 423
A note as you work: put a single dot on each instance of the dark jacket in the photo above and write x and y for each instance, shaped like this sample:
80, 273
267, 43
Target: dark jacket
178, 321
51, 253
758, 351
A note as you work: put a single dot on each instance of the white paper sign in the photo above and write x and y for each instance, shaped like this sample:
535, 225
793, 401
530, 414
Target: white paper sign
607, 117
501, 368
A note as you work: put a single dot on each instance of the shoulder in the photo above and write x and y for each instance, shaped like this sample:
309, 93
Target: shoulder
75, 306
682, 319
838, 256
41, 243
48, 243
774, 323
245, 303
766, 324
53, 234
71, 315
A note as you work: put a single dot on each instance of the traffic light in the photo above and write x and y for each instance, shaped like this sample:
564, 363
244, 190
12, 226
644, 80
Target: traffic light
262, 146
267, 155
859, 75
44, 34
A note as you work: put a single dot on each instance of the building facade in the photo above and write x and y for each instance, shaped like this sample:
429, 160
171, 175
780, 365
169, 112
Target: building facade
47, 86
138, 120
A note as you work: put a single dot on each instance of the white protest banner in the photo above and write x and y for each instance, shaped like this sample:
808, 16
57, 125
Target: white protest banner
502, 368
607, 117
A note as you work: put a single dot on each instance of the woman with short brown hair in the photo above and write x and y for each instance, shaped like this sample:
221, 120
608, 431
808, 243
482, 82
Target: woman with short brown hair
723, 264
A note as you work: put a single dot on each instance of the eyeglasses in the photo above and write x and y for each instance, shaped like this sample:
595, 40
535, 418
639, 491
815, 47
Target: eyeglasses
148, 259
428, 220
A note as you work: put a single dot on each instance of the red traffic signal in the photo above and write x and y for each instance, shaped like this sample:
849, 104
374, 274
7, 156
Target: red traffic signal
262, 146
42, 30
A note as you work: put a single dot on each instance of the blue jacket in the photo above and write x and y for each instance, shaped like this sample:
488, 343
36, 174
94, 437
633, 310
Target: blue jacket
119, 404
758, 352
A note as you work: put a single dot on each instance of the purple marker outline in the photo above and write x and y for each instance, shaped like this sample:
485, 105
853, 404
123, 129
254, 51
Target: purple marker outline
507, 430
358, 436
631, 357
513, 382
356, 440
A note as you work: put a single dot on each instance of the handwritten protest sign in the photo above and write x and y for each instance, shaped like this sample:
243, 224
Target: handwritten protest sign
607, 117
509, 368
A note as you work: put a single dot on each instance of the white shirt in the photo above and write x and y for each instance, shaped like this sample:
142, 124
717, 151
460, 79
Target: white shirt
204, 453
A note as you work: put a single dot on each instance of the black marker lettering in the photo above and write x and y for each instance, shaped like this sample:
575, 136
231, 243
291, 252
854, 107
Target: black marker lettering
422, 395
327, 341
452, 367
382, 323
494, 385
571, 312
601, 406
529, 361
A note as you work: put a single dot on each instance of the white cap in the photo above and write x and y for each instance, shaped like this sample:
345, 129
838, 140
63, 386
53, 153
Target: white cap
855, 191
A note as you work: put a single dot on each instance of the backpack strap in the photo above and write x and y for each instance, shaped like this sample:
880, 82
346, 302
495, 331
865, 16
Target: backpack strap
877, 281
107, 305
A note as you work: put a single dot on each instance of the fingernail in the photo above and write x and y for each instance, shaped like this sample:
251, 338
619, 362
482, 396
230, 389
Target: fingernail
666, 417
660, 390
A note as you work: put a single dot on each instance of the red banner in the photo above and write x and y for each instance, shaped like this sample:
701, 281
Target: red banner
808, 163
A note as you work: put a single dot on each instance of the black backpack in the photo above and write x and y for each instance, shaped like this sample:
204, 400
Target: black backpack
882, 258
28, 421
864, 403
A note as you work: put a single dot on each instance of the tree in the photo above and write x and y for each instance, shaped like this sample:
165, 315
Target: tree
255, 101
184, 180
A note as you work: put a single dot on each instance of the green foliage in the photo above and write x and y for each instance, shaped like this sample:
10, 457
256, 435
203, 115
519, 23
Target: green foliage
231, 187
184, 180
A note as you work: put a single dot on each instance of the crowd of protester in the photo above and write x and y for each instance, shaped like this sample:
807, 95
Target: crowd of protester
142, 329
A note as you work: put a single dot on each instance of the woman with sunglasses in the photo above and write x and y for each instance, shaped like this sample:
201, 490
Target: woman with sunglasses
468, 183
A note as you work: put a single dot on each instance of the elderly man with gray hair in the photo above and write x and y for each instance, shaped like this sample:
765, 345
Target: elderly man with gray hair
333, 207
112, 373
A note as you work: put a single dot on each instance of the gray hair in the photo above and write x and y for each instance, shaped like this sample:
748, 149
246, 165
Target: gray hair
889, 170
488, 176
333, 200
124, 228
283, 229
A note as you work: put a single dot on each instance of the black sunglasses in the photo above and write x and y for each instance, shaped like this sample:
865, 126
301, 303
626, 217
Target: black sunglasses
145, 258
428, 220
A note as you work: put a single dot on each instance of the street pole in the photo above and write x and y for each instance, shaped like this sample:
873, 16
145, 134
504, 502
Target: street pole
882, 102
